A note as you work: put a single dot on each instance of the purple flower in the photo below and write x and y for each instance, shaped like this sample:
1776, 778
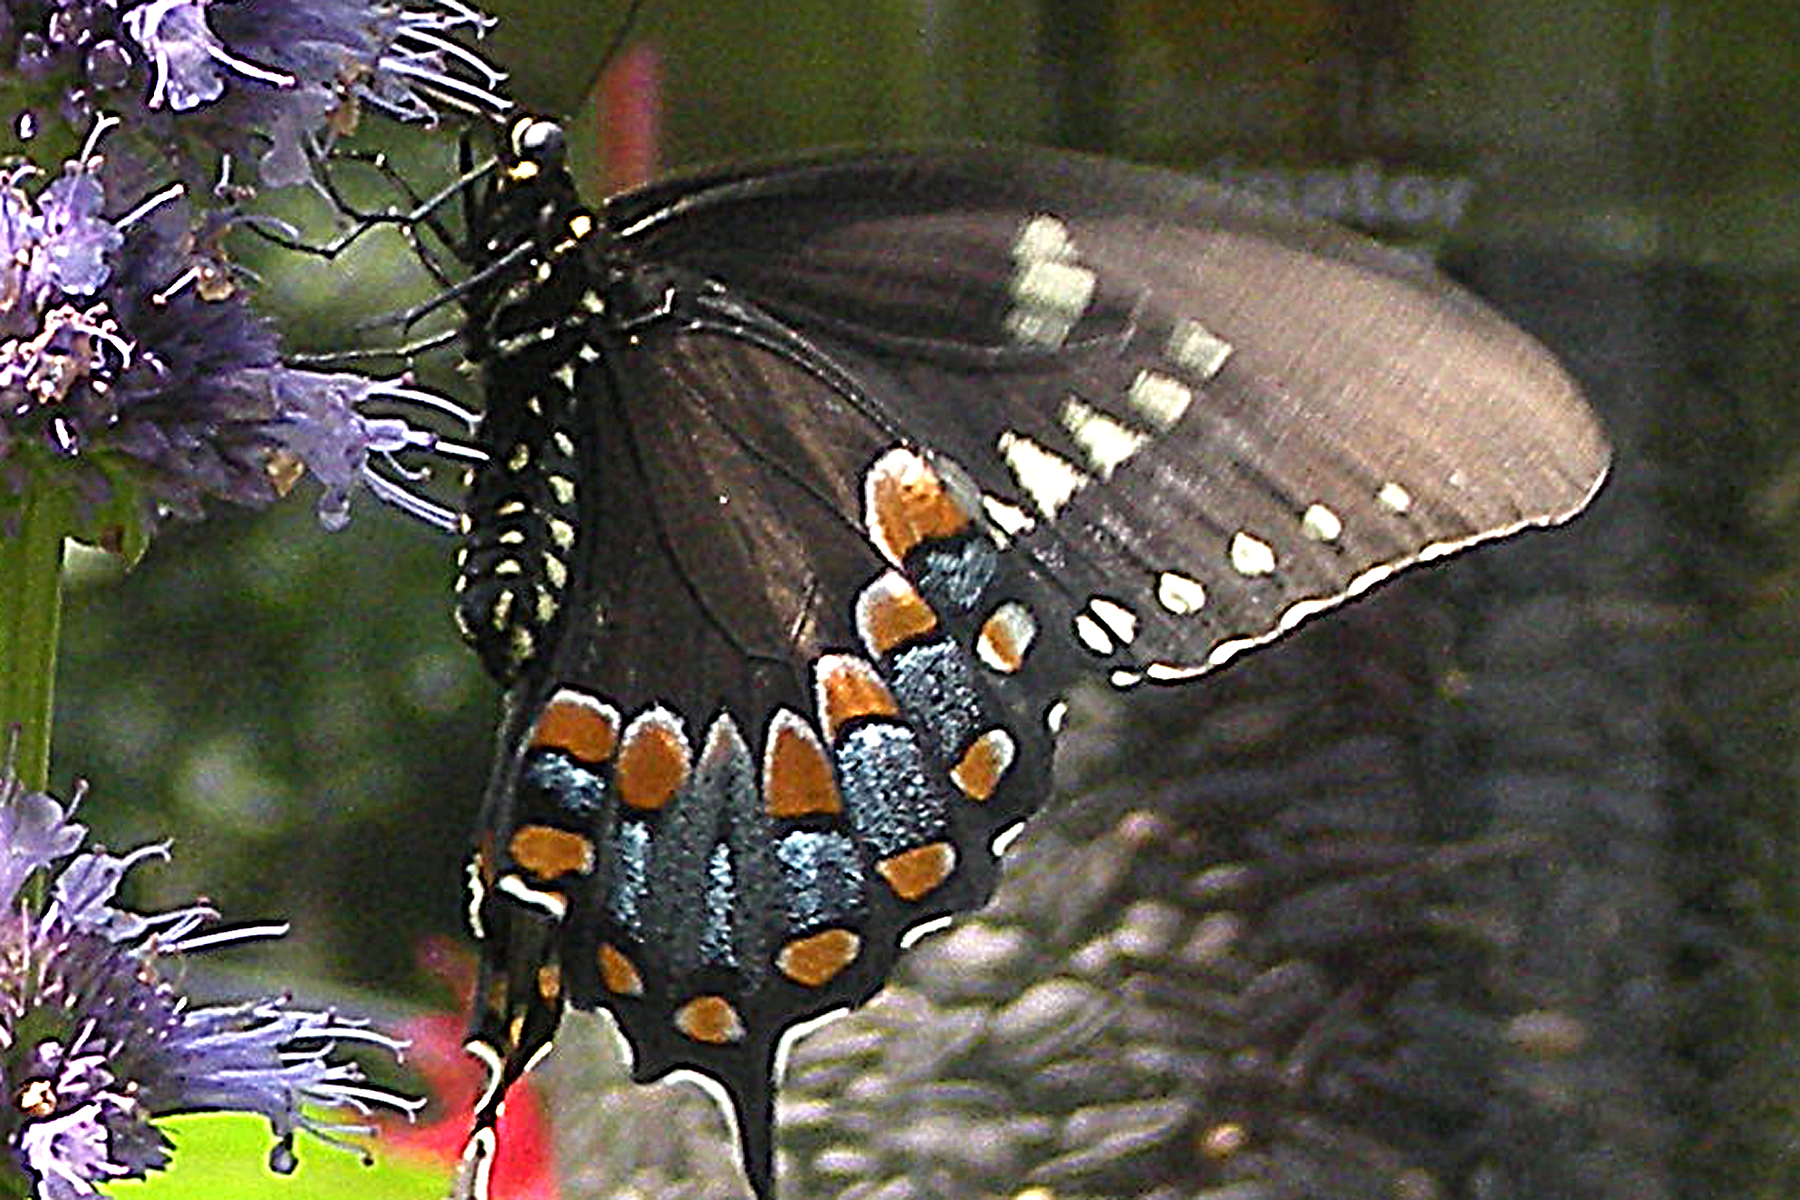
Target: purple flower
269, 81
129, 358
266, 80
96, 1042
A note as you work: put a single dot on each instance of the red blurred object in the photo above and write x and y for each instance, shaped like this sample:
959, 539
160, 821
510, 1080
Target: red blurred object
629, 98
525, 1162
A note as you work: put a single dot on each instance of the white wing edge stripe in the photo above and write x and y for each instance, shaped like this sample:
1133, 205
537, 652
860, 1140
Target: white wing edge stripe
1225, 651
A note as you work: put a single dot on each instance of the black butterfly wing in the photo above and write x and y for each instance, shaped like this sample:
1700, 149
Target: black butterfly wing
810, 491
758, 751
1209, 415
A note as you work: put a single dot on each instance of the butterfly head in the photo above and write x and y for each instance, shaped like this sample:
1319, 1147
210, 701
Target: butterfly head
529, 210
536, 148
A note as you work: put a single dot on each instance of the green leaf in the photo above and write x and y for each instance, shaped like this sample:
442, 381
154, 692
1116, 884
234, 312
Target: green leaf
224, 1156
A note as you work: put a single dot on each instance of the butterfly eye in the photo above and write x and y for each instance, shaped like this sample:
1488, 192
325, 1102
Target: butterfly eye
537, 141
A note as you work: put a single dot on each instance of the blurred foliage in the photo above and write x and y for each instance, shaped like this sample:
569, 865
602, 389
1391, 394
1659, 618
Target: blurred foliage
297, 711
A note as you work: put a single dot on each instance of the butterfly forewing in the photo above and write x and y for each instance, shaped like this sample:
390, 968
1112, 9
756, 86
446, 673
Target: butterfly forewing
811, 490
1215, 414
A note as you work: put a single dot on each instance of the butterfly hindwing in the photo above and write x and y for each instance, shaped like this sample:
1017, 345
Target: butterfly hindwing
810, 490
739, 845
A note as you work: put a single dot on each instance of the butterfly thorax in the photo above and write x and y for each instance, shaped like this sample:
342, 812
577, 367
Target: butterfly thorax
529, 331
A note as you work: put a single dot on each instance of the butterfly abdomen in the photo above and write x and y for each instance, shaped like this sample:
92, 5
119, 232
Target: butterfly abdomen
522, 515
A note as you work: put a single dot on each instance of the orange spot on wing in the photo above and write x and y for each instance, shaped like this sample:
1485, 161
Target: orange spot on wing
619, 973
483, 859
908, 504
710, 1019
797, 780
920, 871
891, 613
983, 764
549, 983
850, 688
653, 762
548, 852
1004, 639
816, 960
580, 726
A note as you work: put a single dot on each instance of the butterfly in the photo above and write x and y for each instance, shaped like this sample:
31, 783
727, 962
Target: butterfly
811, 488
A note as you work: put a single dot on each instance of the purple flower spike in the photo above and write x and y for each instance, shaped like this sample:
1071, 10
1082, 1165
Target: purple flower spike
130, 357
264, 81
96, 1042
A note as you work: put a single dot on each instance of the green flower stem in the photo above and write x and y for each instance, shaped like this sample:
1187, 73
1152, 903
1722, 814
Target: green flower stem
30, 614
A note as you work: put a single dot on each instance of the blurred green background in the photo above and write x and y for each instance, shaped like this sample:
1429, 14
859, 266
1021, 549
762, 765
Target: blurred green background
295, 709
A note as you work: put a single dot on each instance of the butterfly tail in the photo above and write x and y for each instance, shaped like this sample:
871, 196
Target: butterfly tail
511, 1030
753, 1109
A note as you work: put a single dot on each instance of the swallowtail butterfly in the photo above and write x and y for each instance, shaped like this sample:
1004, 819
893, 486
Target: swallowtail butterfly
810, 489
